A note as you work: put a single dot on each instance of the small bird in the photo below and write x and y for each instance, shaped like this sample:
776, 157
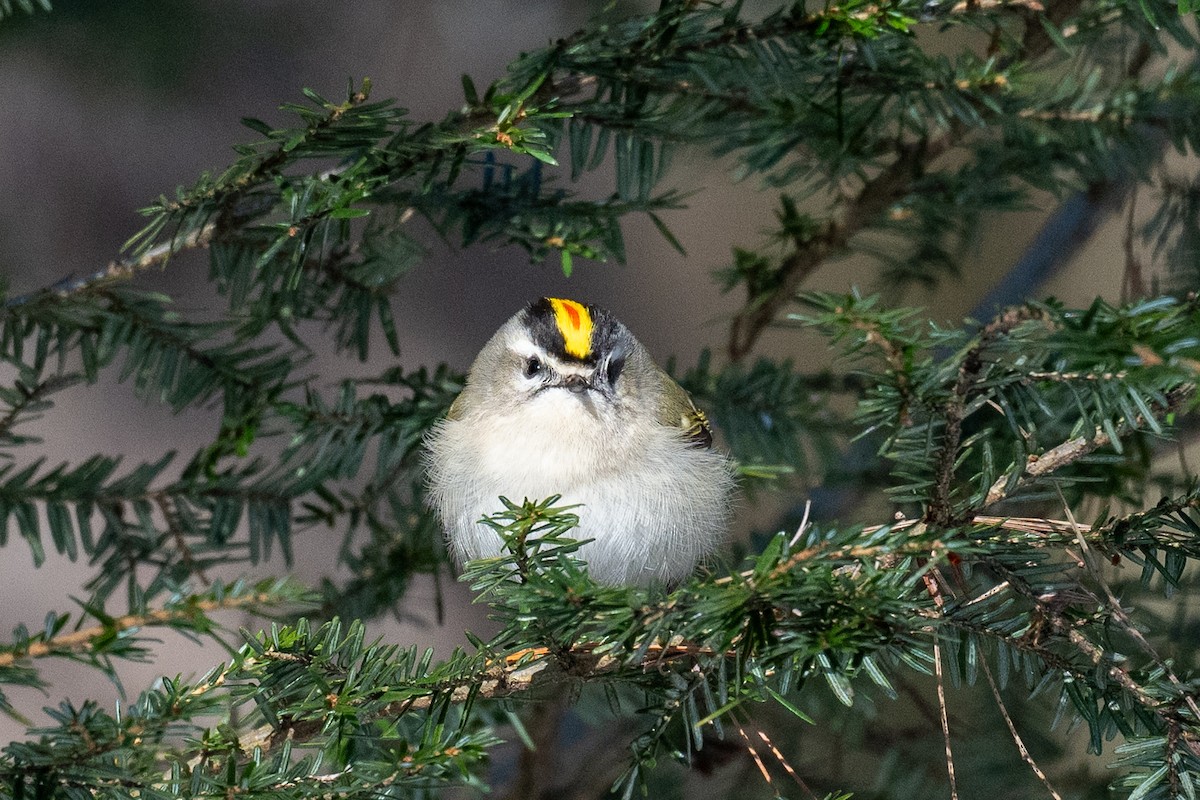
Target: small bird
564, 400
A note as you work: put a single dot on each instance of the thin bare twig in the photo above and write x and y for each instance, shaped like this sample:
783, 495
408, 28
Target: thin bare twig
1012, 730
939, 603
783, 762
753, 751
802, 528
943, 715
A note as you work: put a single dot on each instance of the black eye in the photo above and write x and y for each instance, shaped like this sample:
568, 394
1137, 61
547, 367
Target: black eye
532, 366
612, 370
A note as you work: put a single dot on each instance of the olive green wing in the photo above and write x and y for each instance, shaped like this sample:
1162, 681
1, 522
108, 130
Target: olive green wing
679, 410
456, 407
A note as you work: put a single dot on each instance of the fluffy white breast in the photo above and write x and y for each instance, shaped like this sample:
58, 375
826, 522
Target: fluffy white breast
653, 503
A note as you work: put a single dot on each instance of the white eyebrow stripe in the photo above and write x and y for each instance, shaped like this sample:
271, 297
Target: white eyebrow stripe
523, 348
571, 368
526, 348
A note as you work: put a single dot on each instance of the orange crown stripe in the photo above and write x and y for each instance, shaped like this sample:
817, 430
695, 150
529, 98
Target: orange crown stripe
575, 324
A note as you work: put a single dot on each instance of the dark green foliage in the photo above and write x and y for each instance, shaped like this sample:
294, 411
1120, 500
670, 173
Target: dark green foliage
995, 399
772, 416
881, 136
155, 749
10, 7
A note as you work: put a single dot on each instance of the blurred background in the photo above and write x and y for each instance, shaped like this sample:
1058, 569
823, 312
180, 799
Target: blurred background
110, 103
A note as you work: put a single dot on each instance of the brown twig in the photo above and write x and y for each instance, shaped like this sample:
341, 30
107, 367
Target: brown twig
1098, 657
1072, 450
502, 677
939, 511
1133, 287
943, 716
166, 505
123, 269
891, 184
203, 234
1016, 736
939, 603
82, 640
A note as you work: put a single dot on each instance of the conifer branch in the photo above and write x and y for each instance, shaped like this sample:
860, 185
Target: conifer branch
1072, 450
518, 672
892, 183
841, 105
939, 510
1051, 625
1122, 618
1039, 644
31, 396
496, 679
84, 639
117, 271
896, 181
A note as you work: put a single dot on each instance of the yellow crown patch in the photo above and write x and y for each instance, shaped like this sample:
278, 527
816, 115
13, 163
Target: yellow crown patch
575, 324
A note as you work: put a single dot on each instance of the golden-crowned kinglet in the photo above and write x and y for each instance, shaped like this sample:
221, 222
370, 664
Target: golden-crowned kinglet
563, 400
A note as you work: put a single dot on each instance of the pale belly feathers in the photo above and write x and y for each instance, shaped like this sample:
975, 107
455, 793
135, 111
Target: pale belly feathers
653, 503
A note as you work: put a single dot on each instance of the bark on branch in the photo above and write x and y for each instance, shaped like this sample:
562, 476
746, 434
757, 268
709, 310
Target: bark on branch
83, 640
1071, 451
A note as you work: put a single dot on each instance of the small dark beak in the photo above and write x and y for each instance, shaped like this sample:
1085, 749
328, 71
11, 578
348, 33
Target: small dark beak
576, 383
